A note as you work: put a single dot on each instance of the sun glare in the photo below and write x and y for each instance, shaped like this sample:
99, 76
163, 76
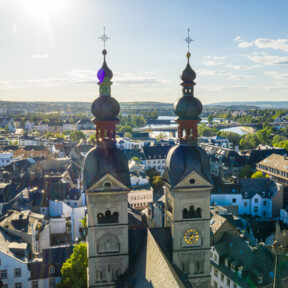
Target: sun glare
43, 8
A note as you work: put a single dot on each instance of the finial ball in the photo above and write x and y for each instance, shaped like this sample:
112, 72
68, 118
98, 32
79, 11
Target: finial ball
104, 52
188, 55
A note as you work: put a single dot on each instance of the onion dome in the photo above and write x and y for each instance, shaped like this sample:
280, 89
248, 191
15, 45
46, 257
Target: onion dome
105, 108
188, 108
104, 70
181, 160
188, 75
101, 161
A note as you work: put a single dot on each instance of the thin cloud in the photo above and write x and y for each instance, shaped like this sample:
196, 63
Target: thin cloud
242, 77
267, 59
243, 67
213, 60
264, 43
277, 75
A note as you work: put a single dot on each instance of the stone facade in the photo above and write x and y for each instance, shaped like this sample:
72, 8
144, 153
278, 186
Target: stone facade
107, 233
190, 258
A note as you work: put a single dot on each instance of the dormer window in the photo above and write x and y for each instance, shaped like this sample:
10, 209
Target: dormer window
51, 269
245, 194
232, 267
260, 279
263, 194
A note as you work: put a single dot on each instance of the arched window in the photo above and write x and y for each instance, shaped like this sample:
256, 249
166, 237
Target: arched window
198, 213
185, 213
108, 213
108, 217
115, 217
100, 217
192, 213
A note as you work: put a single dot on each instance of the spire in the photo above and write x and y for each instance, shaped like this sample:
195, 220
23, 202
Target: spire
188, 108
105, 108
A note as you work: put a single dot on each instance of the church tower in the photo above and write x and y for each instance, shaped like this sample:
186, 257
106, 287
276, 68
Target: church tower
188, 185
106, 184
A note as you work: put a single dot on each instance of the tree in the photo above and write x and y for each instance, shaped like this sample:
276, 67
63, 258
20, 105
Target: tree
246, 171
92, 138
126, 128
210, 119
257, 174
77, 136
128, 135
160, 137
67, 132
74, 270
84, 225
157, 183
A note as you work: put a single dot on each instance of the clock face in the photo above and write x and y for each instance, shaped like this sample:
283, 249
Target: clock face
191, 236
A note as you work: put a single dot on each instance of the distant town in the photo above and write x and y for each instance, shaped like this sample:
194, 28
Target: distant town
44, 209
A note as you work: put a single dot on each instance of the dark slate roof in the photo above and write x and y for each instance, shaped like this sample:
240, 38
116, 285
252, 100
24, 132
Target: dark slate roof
54, 165
182, 160
257, 185
257, 261
143, 258
251, 186
256, 156
105, 160
54, 191
155, 152
56, 256
229, 157
261, 229
36, 148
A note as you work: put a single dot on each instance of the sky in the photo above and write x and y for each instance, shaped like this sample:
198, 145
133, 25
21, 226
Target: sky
50, 49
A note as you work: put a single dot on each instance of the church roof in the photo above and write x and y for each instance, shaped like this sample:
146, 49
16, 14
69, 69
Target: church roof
182, 160
103, 160
152, 265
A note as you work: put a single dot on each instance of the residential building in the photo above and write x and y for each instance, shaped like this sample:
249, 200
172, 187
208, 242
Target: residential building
155, 157
129, 144
67, 125
139, 199
28, 126
235, 264
155, 213
14, 257
85, 124
31, 152
256, 197
29, 141
223, 162
46, 272
255, 156
6, 158
276, 166
221, 222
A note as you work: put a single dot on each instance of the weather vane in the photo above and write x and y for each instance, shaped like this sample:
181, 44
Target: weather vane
188, 39
104, 37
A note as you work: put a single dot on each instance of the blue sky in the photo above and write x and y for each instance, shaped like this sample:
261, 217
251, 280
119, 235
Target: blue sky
50, 50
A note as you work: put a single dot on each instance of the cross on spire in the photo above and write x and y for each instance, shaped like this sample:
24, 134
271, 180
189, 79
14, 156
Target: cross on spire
104, 38
188, 39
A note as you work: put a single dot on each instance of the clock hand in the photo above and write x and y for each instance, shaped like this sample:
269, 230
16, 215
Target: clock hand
192, 237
